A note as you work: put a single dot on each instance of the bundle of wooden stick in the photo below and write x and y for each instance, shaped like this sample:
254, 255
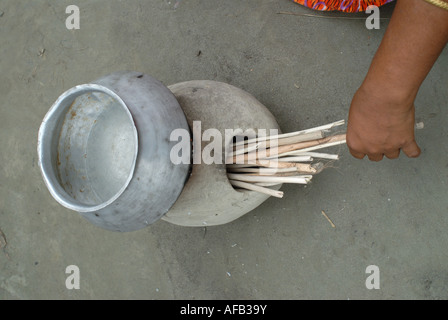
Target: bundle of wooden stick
265, 161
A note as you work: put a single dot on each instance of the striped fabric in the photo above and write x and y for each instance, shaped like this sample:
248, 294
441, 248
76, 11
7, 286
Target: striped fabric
341, 5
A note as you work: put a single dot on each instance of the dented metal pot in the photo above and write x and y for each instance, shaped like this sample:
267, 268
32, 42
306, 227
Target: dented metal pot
104, 150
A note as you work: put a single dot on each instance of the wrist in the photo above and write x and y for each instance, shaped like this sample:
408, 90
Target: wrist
407, 52
389, 94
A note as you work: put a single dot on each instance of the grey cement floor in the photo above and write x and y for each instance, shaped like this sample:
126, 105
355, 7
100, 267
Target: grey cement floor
391, 214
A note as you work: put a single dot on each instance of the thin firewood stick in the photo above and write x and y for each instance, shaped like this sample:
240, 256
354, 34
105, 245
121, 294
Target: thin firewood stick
326, 145
319, 155
292, 147
243, 165
280, 174
266, 184
263, 170
305, 168
275, 164
329, 220
245, 149
304, 179
262, 163
296, 169
282, 141
321, 146
250, 186
299, 138
302, 167
296, 159
291, 134
268, 153
290, 140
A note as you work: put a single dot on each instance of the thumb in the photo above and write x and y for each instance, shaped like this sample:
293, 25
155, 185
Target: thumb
411, 149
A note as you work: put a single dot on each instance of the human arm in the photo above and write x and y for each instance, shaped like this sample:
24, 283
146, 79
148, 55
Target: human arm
382, 112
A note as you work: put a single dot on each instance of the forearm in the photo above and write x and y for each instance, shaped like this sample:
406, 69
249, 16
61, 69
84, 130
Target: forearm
382, 113
415, 37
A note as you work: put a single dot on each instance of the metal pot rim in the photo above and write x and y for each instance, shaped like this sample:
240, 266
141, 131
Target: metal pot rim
46, 135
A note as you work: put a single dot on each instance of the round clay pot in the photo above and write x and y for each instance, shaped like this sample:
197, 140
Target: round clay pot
208, 198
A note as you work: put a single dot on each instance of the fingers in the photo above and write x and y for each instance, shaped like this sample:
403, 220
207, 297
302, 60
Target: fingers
360, 155
411, 150
393, 154
372, 157
375, 157
357, 155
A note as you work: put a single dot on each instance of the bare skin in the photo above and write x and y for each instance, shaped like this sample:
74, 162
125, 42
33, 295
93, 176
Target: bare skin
382, 112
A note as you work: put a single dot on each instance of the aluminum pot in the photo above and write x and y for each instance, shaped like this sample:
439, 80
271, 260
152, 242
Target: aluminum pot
104, 150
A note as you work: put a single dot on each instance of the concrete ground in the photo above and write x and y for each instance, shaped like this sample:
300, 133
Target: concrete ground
391, 214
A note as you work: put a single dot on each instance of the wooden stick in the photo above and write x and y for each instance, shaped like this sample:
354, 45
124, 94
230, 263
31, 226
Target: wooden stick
267, 153
301, 158
299, 138
301, 167
319, 155
329, 220
236, 166
305, 168
273, 167
266, 184
291, 134
301, 145
295, 169
282, 141
267, 163
263, 170
279, 174
247, 178
335, 142
321, 146
245, 149
250, 186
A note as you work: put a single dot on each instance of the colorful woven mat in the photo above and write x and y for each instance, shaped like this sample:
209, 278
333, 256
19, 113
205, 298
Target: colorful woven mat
341, 5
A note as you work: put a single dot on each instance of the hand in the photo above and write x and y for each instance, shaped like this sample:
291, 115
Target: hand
380, 125
381, 118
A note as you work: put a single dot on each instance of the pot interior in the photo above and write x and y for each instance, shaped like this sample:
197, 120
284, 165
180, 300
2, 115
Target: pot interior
96, 148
